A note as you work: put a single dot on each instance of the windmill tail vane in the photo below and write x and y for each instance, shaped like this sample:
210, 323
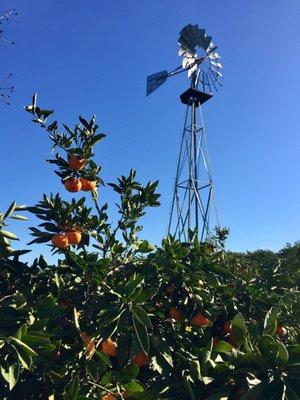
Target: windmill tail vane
193, 192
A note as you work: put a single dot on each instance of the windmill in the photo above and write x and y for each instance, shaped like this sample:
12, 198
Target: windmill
193, 197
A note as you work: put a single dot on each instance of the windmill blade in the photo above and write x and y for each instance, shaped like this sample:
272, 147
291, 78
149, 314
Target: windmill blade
154, 81
185, 43
200, 37
214, 56
214, 78
185, 52
187, 34
212, 47
207, 41
194, 33
216, 72
216, 64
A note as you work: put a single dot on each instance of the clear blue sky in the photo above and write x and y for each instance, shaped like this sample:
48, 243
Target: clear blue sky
86, 57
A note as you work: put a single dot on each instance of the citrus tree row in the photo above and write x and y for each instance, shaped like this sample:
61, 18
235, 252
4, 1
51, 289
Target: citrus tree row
118, 318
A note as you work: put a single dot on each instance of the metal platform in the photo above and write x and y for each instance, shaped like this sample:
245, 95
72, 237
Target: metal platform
195, 96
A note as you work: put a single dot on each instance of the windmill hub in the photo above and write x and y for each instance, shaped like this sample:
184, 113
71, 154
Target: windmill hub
193, 195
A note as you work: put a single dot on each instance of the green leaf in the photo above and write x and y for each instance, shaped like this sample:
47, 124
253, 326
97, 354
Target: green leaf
24, 345
145, 246
10, 210
10, 374
254, 393
142, 334
163, 363
124, 342
72, 389
270, 322
24, 358
283, 354
128, 373
110, 328
268, 347
9, 235
133, 387
132, 284
223, 347
275, 390
96, 368
195, 370
239, 329
142, 316
290, 393
20, 217
21, 331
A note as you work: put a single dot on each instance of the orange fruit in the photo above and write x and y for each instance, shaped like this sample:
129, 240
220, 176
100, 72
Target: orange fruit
227, 327
73, 185
109, 396
141, 359
60, 240
76, 163
109, 347
176, 314
74, 237
87, 185
281, 331
200, 320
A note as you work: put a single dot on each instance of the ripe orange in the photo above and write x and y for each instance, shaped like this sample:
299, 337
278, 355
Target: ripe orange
74, 237
141, 359
109, 347
281, 331
109, 396
200, 320
73, 185
227, 327
176, 314
60, 240
87, 185
76, 163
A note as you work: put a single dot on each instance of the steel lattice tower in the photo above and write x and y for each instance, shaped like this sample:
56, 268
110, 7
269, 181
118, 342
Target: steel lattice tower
193, 188
193, 197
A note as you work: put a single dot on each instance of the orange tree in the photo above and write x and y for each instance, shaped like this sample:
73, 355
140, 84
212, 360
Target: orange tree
118, 318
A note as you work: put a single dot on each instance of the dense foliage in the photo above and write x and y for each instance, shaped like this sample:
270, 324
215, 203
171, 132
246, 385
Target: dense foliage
118, 318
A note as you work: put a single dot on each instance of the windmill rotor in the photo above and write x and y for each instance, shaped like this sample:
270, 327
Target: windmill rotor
199, 59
